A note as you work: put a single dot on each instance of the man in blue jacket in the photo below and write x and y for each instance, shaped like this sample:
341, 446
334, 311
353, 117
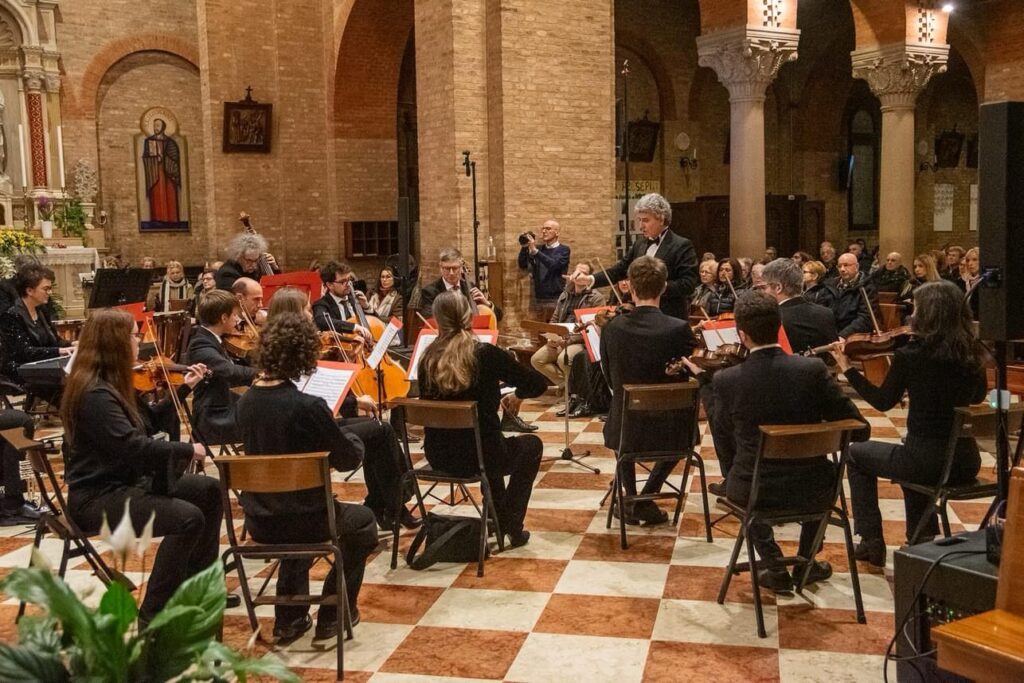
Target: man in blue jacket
548, 263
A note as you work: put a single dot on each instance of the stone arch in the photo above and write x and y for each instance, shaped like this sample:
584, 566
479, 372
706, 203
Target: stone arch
27, 26
85, 104
963, 37
644, 51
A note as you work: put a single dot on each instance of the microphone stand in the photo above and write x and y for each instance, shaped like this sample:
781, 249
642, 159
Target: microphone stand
626, 240
471, 173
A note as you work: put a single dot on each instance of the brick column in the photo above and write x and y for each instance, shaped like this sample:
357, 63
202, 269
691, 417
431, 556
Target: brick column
897, 74
34, 82
747, 60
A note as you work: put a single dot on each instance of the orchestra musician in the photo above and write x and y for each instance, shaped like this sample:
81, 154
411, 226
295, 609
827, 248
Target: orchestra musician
275, 418
242, 259
771, 388
635, 347
26, 331
335, 307
941, 368
110, 460
453, 278
654, 214
807, 325
249, 293
213, 406
457, 367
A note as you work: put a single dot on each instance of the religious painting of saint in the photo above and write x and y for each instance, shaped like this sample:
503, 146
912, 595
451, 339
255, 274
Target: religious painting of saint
247, 125
162, 173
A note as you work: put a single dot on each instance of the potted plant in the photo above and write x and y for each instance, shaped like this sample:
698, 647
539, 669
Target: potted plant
73, 642
45, 209
71, 219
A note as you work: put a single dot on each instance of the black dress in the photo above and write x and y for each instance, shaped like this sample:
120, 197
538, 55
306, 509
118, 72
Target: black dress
454, 450
934, 387
26, 340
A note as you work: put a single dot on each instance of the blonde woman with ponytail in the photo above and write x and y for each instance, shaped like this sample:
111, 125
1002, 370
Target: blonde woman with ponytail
457, 367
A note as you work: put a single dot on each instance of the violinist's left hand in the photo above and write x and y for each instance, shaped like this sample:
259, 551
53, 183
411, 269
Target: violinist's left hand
842, 360
196, 374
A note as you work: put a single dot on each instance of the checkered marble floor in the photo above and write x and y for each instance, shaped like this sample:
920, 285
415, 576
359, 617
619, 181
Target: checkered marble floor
572, 605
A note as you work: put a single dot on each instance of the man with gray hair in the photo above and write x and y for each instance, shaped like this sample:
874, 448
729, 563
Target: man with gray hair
654, 215
242, 259
807, 325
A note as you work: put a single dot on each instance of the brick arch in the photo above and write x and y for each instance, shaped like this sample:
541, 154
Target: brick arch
878, 22
85, 104
644, 51
964, 39
373, 44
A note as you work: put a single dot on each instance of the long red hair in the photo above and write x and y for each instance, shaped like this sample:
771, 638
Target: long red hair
104, 353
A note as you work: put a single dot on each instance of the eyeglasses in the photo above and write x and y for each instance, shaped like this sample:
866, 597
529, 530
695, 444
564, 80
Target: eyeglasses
760, 288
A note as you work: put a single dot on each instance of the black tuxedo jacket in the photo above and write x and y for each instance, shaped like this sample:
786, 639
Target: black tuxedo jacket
213, 407
430, 292
770, 388
681, 261
807, 325
634, 350
327, 306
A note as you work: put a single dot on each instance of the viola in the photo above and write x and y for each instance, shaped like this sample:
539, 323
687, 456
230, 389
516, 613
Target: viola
240, 345
150, 376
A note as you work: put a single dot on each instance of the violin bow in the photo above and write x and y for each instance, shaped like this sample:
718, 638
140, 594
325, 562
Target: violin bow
426, 322
721, 339
871, 310
732, 289
615, 289
337, 340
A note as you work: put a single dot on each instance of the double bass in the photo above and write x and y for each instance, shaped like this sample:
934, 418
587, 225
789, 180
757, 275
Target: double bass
264, 264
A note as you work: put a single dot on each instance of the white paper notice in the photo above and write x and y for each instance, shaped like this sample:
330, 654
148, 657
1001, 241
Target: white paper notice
974, 208
943, 208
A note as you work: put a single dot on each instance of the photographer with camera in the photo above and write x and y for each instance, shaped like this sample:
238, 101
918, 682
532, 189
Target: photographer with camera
548, 262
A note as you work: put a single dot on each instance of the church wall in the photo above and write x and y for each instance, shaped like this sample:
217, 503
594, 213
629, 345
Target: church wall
132, 86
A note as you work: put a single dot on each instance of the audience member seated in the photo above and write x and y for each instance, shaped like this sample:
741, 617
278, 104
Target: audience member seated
708, 279
892, 276
730, 283
457, 367
940, 369
173, 287
850, 307
816, 289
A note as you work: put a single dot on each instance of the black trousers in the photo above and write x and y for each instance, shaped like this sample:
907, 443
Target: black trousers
519, 459
189, 521
587, 381
656, 479
919, 461
383, 464
801, 488
10, 461
357, 534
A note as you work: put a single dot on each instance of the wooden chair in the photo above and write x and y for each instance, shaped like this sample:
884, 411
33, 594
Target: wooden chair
53, 515
677, 402
794, 442
446, 415
979, 422
990, 646
283, 474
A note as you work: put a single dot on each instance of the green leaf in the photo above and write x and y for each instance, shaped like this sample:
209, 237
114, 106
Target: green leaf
39, 634
39, 587
119, 603
23, 665
220, 659
170, 614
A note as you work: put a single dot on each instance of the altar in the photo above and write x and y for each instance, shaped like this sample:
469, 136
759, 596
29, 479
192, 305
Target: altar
67, 264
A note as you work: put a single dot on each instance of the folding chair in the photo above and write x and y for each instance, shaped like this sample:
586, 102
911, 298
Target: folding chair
283, 474
979, 422
446, 415
794, 442
678, 403
53, 515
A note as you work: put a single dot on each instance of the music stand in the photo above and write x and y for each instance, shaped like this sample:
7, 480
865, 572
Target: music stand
116, 287
563, 332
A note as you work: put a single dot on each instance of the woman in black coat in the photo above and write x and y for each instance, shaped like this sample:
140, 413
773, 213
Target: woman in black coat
27, 333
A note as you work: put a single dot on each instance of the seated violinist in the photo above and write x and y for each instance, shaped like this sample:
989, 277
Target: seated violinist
275, 418
213, 407
635, 347
249, 293
335, 308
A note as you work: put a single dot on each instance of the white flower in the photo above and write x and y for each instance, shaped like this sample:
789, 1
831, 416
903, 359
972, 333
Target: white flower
123, 541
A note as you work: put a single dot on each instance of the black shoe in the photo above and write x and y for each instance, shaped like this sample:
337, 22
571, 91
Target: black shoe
409, 520
717, 489
603, 418
631, 518
518, 538
232, 601
15, 519
514, 423
32, 511
819, 572
583, 409
384, 519
777, 580
569, 406
650, 514
871, 551
290, 632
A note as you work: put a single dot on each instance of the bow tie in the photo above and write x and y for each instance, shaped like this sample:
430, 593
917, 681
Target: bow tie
654, 242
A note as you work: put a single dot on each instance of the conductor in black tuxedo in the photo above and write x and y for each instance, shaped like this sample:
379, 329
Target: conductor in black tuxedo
214, 404
807, 325
634, 350
335, 307
453, 270
772, 388
654, 214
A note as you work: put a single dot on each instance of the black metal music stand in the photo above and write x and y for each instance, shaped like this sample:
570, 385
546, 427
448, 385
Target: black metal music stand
116, 287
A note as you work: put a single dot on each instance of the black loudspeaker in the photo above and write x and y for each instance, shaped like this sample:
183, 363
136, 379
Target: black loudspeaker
1001, 218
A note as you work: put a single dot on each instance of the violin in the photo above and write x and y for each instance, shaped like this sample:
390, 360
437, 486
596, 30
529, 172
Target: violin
240, 345
725, 356
866, 345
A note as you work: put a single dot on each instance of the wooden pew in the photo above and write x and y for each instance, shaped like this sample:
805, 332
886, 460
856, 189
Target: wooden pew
990, 646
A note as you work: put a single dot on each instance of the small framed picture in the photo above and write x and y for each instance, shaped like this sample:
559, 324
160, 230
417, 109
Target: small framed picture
247, 126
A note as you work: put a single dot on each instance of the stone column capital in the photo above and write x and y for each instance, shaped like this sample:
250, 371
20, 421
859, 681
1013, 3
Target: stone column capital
747, 59
35, 80
898, 73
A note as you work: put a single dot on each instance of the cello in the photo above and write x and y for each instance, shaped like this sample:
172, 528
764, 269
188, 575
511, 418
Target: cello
388, 379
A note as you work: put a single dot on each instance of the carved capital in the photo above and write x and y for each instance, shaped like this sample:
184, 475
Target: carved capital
35, 80
898, 73
747, 59
52, 82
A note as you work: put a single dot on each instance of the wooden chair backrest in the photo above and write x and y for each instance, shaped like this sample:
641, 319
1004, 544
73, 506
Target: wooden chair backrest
655, 397
439, 414
890, 315
1010, 594
796, 442
274, 473
888, 297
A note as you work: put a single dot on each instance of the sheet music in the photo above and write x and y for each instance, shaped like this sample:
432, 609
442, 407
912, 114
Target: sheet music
386, 337
591, 333
331, 382
71, 361
716, 336
428, 336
